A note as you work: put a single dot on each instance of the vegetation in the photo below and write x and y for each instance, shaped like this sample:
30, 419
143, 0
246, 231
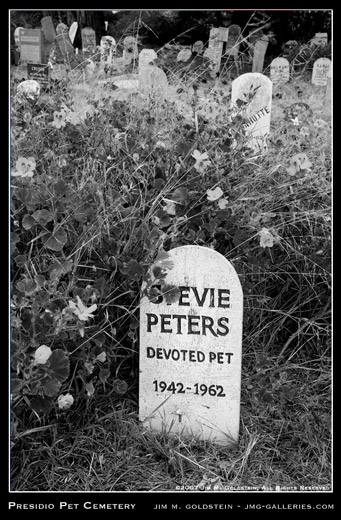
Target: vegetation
101, 184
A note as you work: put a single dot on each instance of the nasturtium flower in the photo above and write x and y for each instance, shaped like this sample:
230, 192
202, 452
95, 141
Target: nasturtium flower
24, 167
65, 401
42, 354
215, 194
59, 119
101, 357
266, 239
82, 312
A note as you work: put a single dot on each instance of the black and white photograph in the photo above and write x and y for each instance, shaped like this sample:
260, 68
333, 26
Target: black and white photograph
170, 260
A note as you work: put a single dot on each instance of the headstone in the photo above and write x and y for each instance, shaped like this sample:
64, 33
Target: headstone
215, 49
279, 71
320, 72
254, 36
252, 96
64, 48
328, 94
224, 33
49, 36
39, 72
31, 45
72, 31
130, 51
62, 28
259, 53
232, 46
320, 39
198, 47
184, 55
190, 346
153, 82
146, 57
108, 51
17, 32
88, 40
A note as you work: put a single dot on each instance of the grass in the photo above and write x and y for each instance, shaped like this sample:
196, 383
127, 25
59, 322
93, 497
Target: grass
112, 214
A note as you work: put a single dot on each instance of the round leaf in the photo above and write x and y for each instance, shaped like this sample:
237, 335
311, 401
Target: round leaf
59, 364
55, 240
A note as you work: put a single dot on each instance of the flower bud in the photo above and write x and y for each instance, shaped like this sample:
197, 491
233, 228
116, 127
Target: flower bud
42, 354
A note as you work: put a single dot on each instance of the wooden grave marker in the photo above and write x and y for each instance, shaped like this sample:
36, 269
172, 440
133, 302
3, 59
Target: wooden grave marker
279, 71
191, 317
321, 71
252, 95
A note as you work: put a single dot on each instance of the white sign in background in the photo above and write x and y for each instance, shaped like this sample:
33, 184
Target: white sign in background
190, 350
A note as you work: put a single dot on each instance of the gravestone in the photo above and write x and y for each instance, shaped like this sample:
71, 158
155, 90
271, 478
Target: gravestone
191, 317
88, 40
17, 32
153, 82
130, 51
320, 72
49, 34
184, 55
146, 57
253, 38
72, 31
65, 51
259, 53
39, 72
252, 96
328, 94
233, 36
215, 49
198, 47
108, 51
223, 34
320, 39
31, 45
279, 71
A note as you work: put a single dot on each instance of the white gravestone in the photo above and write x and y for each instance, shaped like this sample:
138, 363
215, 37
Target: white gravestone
198, 47
252, 96
146, 57
130, 51
184, 55
259, 53
321, 71
279, 70
191, 345
73, 31
108, 51
31, 42
153, 82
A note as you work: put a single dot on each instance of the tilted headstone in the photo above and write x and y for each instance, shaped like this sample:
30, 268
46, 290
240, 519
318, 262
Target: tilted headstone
320, 39
279, 71
198, 47
253, 37
184, 55
191, 316
130, 51
146, 57
320, 72
259, 53
232, 46
49, 36
64, 48
88, 40
153, 82
252, 96
31, 45
72, 31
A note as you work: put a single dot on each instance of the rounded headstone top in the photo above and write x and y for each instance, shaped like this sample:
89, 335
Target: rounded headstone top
184, 55
62, 28
28, 90
108, 41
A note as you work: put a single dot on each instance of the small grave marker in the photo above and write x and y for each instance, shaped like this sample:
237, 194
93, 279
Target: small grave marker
233, 36
198, 47
39, 72
252, 95
321, 71
31, 45
279, 71
190, 346
64, 48
259, 53
146, 57
215, 49
130, 51
108, 51
153, 82
88, 40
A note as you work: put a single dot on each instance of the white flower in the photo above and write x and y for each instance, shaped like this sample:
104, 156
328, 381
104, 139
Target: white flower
65, 401
83, 312
24, 167
42, 354
101, 357
201, 161
266, 238
215, 194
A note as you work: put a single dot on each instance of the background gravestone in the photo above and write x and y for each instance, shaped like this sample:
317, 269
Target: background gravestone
198, 47
153, 82
252, 96
321, 71
88, 40
233, 35
279, 70
130, 51
190, 347
73, 31
184, 55
259, 53
320, 39
215, 49
65, 51
108, 51
223, 34
31, 43
146, 57
49, 34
